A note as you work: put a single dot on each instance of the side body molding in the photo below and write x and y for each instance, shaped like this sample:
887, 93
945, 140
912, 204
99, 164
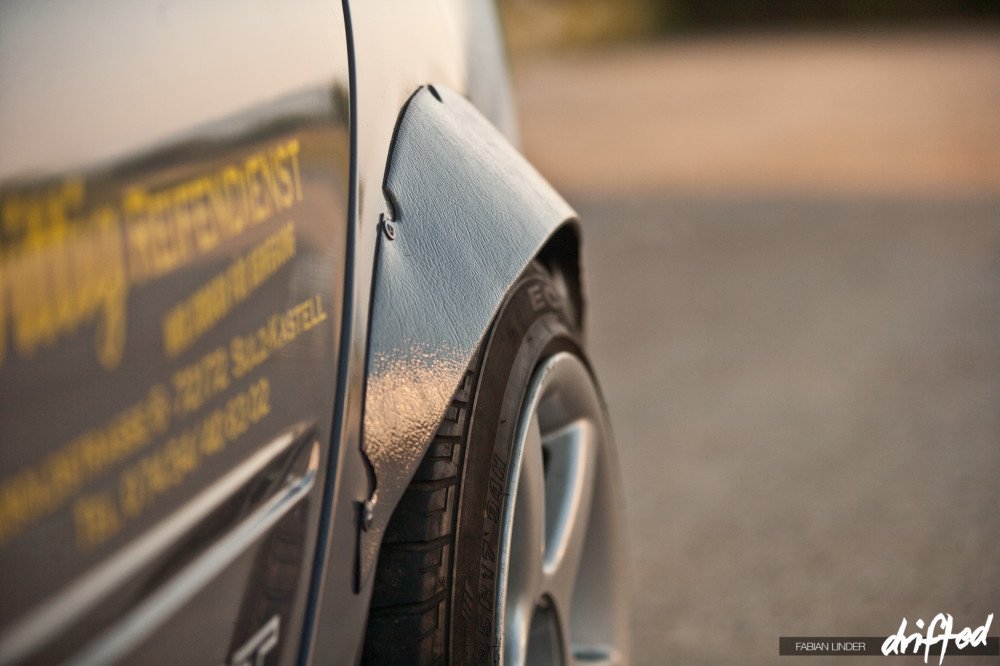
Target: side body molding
469, 214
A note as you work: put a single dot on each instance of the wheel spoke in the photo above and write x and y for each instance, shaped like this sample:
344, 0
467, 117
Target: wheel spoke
569, 483
565, 599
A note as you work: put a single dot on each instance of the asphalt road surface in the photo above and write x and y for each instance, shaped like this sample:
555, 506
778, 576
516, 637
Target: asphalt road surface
801, 356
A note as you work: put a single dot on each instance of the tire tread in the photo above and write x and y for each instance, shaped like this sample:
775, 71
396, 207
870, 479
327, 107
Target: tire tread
411, 586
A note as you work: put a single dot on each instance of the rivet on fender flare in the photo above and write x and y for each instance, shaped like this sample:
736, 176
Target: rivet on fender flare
368, 514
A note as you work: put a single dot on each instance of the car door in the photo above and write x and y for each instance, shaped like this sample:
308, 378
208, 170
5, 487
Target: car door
174, 183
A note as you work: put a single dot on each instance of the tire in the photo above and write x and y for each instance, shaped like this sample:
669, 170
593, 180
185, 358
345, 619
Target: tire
521, 471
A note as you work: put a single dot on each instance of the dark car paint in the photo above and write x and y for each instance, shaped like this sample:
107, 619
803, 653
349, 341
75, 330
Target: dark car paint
249, 546
163, 506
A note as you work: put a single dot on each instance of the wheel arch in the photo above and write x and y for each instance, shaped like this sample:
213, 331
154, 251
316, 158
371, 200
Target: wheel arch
468, 215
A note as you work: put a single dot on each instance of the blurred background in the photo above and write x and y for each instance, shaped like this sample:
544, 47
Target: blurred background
791, 212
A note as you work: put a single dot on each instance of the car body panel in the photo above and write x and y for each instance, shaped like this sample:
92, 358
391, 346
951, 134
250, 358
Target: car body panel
396, 48
191, 268
173, 227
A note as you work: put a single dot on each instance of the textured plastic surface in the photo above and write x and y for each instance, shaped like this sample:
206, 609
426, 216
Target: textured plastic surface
469, 214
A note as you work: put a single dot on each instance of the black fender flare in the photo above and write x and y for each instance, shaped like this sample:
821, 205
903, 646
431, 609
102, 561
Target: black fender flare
469, 214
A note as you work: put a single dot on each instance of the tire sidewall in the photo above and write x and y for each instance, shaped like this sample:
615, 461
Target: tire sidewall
534, 323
